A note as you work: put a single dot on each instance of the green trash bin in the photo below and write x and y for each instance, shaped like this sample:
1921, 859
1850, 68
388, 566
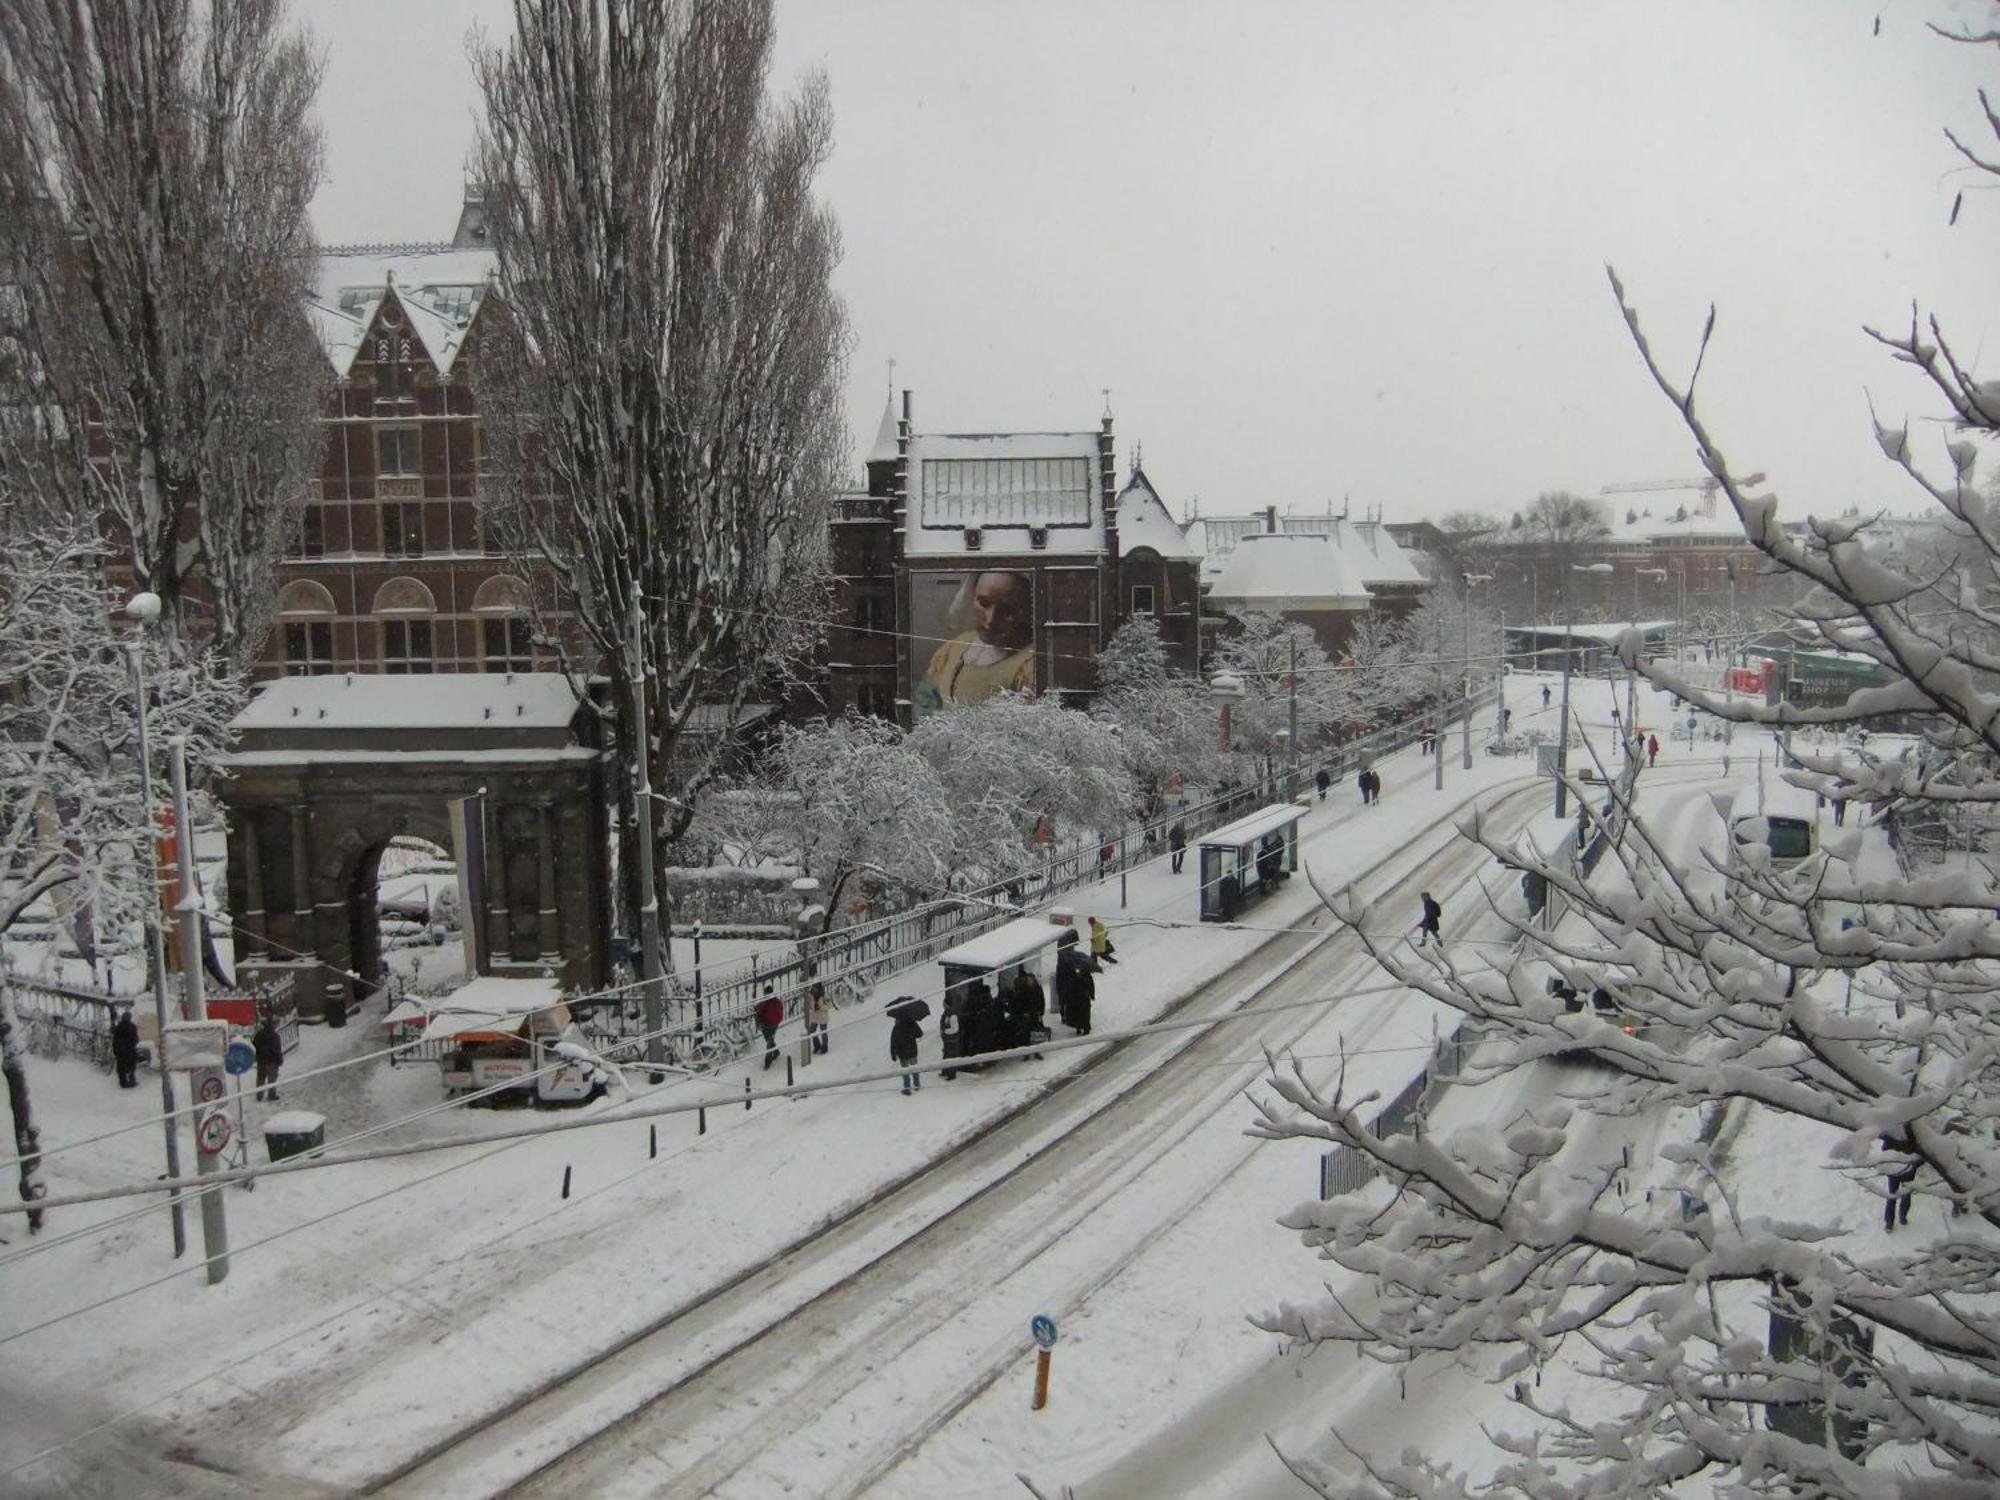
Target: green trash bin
293, 1132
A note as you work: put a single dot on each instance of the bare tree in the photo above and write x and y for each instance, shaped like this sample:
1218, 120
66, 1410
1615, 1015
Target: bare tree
1837, 1011
660, 372
71, 820
156, 162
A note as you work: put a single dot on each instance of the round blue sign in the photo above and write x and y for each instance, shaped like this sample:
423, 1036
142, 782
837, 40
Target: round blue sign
240, 1058
1044, 1330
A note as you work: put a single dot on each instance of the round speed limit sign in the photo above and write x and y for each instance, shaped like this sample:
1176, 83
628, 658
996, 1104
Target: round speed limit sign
212, 1088
213, 1132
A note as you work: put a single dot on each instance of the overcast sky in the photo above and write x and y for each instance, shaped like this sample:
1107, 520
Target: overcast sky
1333, 251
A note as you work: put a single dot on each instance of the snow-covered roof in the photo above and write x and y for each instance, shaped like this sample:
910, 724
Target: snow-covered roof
493, 1003
1007, 944
1368, 549
440, 291
1285, 570
1004, 483
1248, 830
1144, 521
443, 700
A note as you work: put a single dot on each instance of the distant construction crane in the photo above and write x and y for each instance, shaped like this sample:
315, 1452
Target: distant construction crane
1708, 484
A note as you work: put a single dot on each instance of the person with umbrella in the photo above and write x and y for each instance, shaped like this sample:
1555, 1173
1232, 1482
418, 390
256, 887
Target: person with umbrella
907, 1011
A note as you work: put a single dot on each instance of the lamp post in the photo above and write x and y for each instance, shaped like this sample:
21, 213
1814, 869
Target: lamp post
1465, 644
143, 609
1562, 724
194, 1002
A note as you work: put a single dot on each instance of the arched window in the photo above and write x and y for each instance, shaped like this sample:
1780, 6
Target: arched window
405, 606
506, 624
306, 611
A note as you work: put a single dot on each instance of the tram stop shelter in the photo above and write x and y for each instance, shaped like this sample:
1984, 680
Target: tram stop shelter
1247, 858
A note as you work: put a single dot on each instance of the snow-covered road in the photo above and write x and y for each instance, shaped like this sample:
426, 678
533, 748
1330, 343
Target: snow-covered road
836, 1360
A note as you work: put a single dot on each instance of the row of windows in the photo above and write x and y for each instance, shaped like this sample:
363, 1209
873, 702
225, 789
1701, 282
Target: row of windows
506, 645
401, 530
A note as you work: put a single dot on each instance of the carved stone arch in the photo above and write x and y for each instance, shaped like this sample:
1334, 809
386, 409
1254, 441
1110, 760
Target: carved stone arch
501, 594
303, 599
403, 596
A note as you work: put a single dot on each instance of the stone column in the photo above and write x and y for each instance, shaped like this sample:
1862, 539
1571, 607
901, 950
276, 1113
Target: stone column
499, 935
303, 936
252, 931
545, 877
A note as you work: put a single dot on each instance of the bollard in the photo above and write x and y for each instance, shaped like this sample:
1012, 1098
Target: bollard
565, 1181
746, 1096
652, 1142
1041, 1379
701, 1120
788, 1072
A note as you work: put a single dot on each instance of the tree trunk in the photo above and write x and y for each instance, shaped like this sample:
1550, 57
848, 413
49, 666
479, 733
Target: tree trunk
27, 1138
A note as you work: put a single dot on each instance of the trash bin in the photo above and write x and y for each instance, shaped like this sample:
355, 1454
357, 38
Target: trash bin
293, 1132
333, 1005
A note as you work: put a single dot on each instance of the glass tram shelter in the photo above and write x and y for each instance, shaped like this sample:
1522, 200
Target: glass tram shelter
985, 1007
1247, 859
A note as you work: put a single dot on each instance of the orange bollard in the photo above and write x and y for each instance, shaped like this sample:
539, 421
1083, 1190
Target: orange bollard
1041, 1378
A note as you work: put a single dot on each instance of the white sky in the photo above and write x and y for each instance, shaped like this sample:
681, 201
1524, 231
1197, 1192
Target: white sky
1327, 250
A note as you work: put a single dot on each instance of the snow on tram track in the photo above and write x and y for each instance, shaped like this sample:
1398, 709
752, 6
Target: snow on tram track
725, 1396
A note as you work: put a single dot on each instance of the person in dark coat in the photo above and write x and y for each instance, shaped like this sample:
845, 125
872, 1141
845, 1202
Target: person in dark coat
980, 1016
1177, 844
1083, 992
1322, 781
1896, 1207
770, 1014
125, 1048
903, 1050
1427, 929
270, 1050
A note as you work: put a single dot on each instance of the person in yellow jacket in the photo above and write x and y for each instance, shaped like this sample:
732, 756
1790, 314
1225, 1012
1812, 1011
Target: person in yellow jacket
1100, 942
997, 655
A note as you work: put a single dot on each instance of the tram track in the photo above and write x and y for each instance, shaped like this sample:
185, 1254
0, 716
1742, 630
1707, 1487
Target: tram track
696, 1403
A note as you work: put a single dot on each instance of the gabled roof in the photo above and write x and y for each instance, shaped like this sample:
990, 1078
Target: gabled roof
439, 289
1144, 521
341, 704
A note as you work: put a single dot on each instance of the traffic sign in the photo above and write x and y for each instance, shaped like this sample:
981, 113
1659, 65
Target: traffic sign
240, 1058
211, 1088
213, 1132
1043, 1328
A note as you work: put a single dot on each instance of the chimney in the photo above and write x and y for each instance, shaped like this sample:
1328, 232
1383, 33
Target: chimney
1271, 520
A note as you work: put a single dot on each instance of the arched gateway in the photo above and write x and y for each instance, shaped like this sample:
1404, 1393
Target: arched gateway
327, 770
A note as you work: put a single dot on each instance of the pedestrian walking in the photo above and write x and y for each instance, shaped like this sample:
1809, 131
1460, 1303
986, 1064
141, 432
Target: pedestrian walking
1652, 749
1427, 929
1177, 844
1896, 1207
819, 1010
1374, 785
1101, 947
270, 1052
1104, 857
1839, 811
125, 1048
1361, 781
770, 1015
1322, 781
1545, 695
903, 1050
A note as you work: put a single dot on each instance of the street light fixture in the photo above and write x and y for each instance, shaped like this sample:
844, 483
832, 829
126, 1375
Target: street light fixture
143, 609
1562, 724
1465, 692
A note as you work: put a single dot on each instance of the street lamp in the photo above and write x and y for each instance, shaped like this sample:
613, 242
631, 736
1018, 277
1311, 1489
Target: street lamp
1466, 649
143, 609
1562, 724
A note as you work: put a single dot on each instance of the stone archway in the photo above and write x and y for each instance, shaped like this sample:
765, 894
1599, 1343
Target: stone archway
327, 770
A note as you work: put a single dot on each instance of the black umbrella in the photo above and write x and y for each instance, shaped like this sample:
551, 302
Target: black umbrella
908, 1006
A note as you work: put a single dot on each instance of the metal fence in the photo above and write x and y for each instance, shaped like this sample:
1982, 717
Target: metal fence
853, 959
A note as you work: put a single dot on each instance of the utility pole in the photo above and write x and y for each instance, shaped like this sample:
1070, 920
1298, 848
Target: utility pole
1292, 721
652, 985
1465, 686
144, 609
208, 1084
